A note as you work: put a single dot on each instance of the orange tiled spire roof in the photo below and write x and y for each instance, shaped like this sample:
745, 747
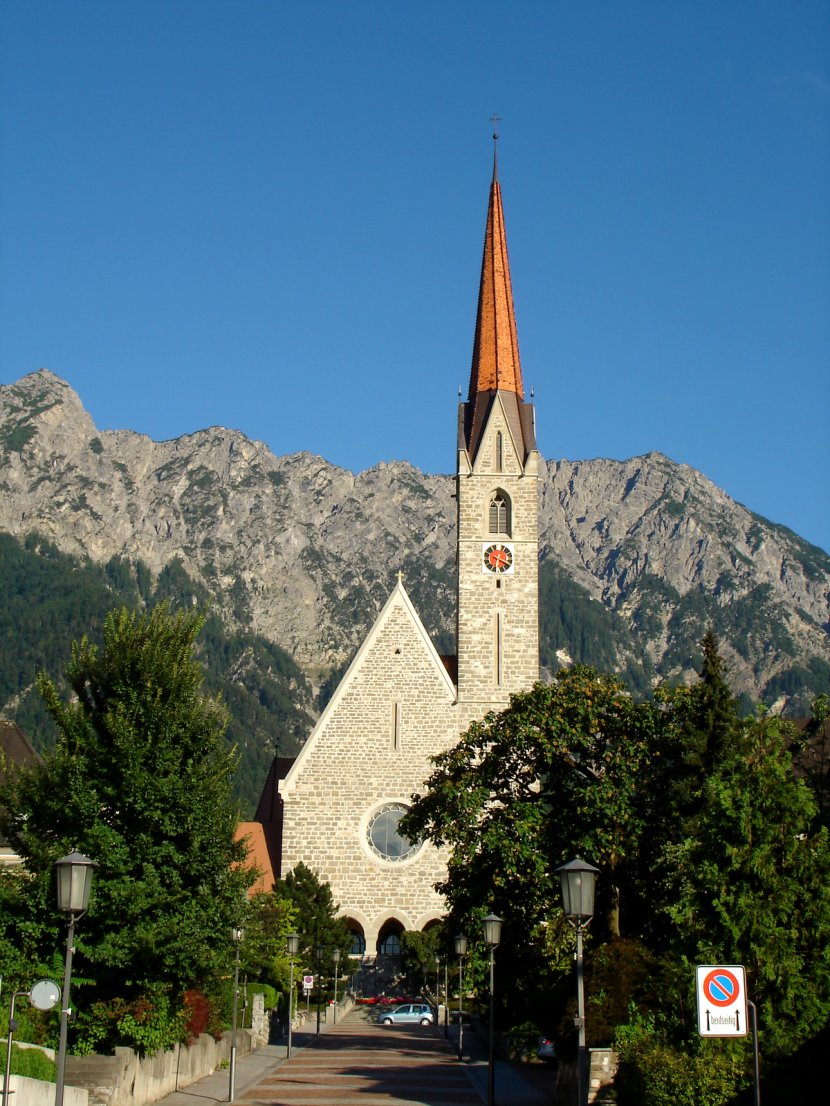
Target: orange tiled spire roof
496, 365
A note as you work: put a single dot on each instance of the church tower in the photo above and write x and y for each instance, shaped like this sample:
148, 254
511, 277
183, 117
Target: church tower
498, 499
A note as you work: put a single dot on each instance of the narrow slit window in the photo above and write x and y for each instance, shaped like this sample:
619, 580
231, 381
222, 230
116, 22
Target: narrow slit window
498, 657
396, 726
499, 452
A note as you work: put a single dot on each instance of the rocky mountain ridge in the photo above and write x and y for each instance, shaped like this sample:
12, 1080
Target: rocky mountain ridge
305, 553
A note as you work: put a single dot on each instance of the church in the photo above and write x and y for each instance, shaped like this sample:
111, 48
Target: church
336, 806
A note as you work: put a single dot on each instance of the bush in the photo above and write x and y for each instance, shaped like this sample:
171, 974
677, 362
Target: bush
200, 1016
30, 1062
147, 1023
654, 1072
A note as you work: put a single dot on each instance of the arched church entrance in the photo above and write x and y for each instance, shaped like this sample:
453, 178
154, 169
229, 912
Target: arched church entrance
358, 947
389, 938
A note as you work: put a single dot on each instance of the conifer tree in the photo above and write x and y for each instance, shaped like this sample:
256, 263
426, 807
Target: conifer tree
140, 783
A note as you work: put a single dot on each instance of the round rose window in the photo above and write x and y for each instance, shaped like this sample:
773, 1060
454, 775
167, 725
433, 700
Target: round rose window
383, 836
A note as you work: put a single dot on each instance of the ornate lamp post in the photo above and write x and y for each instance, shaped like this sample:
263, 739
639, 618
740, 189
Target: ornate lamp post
237, 933
336, 958
578, 879
74, 880
492, 936
461, 952
319, 952
437, 987
293, 944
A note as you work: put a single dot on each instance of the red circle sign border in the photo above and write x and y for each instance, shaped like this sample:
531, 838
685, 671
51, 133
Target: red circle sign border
733, 998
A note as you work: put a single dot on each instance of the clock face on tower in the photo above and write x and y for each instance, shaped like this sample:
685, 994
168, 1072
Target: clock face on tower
497, 558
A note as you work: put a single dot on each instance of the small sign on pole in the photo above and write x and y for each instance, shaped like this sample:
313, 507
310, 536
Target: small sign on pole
308, 982
721, 1000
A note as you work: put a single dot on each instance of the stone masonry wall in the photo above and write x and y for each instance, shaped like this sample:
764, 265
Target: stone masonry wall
514, 595
352, 765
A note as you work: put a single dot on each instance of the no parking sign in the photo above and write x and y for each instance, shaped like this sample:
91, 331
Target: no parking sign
721, 1000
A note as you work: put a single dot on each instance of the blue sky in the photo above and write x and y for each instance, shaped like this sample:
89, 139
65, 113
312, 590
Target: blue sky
270, 215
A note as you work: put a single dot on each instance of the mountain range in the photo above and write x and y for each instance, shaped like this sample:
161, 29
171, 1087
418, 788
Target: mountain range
637, 557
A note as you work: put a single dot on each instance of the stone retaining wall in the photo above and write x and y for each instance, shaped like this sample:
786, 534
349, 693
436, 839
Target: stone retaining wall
37, 1092
127, 1079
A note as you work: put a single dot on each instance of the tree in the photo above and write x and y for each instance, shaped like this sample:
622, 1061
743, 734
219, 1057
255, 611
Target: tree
694, 816
315, 913
419, 949
566, 768
140, 782
751, 885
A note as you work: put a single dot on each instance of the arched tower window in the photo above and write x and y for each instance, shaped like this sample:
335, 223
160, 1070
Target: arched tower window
498, 518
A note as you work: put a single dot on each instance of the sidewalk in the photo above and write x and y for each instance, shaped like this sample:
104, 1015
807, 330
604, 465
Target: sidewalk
336, 1059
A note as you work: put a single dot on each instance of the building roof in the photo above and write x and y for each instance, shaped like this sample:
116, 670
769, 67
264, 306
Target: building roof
15, 749
259, 857
496, 367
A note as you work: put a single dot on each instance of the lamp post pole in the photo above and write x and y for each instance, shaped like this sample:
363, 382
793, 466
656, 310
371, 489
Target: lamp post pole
460, 951
492, 936
318, 956
437, 987
74, 879
336, 958
237, 934
578, 880
446, 999
293, 943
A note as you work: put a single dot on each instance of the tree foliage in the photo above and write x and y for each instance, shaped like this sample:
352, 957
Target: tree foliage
315, 915
140, 782
711, 850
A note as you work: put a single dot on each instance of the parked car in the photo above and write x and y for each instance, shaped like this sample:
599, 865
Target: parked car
410, 1013
547, 1050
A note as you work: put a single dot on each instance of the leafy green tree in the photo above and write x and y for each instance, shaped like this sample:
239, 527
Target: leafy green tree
566, 768
140, 782
315, 913
419, 948
268, 921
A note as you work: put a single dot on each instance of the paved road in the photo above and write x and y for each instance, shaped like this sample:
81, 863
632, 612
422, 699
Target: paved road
359, 1063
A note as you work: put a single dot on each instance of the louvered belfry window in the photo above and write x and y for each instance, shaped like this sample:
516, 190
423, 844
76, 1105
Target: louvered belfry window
499, 519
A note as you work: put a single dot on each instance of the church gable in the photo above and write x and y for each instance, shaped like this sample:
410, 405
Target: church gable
381, 708
368, 754
500, 448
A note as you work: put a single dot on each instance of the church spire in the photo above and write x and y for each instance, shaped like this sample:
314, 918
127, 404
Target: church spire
496, 365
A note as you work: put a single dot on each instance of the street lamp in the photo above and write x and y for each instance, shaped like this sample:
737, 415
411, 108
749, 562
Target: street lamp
74, 879
437, 987
293, 943
318, 956
446, 999
461, 952
578, 879
237, 933
492, 936
336, 958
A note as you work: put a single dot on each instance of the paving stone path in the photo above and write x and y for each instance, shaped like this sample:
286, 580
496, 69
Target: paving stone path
360, 1062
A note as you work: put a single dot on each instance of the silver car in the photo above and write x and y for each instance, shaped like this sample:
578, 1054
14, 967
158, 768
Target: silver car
409, 1013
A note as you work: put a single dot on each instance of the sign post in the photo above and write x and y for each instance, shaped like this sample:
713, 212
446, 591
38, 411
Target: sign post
722, 1007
